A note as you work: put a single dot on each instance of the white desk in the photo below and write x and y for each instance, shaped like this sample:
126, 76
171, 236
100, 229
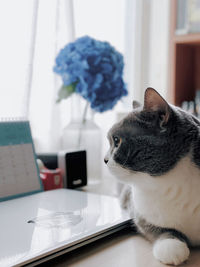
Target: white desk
121, 249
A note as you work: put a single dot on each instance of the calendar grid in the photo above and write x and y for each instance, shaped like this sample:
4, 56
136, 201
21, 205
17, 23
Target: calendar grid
19, 173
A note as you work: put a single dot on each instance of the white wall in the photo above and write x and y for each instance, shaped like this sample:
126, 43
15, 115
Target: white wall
158, 46
146, 46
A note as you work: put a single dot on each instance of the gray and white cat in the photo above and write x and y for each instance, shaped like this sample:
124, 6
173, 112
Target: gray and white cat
156, 151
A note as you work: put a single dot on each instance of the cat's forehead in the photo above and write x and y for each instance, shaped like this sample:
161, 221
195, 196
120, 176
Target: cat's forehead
128, 125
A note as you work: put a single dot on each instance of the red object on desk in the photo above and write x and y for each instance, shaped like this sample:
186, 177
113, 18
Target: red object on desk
51, 179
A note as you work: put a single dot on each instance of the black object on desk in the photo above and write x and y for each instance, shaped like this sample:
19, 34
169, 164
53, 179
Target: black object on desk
73, 165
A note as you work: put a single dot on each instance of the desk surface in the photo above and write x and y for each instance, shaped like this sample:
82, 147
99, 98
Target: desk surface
124, 248
121, 249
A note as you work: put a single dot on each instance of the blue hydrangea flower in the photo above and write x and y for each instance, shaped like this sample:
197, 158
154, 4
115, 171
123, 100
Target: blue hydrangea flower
97, 70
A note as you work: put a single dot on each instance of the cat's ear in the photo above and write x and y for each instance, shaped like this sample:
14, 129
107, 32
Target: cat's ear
153, 101
135, 104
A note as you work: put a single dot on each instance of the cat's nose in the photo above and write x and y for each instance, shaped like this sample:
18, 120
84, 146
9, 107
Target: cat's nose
106, 161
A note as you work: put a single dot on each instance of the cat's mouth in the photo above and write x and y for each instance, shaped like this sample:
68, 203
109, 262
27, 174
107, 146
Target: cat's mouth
117, 169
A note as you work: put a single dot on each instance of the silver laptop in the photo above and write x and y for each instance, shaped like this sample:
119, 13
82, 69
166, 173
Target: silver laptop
39, 227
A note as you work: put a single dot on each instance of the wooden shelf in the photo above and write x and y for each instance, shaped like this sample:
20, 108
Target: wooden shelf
184, 62
191, 38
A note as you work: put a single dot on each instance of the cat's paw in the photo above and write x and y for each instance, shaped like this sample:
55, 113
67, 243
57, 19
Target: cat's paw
171, 251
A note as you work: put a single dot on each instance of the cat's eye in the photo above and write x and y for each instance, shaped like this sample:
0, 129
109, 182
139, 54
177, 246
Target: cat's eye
116, 141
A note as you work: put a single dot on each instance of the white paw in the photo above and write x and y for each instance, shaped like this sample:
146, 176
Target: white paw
171, 251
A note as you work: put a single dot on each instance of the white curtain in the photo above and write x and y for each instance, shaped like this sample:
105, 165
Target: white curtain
55, 28
32, 32
16, 19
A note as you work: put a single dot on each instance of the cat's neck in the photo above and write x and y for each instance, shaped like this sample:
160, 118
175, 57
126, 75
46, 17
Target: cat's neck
183, 174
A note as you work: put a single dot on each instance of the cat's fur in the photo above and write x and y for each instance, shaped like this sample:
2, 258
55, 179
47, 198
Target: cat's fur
158, 156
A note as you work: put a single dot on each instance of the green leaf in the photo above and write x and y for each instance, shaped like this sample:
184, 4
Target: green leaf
66, 91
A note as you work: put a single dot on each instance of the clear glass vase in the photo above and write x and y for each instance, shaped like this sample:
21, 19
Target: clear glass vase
83, 133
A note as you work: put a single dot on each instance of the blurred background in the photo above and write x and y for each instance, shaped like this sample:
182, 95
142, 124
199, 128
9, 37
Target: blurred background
159, 39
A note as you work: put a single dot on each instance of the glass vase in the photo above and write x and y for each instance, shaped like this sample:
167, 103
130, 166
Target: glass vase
82, 133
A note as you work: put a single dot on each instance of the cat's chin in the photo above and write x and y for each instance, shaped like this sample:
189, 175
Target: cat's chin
121, 174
